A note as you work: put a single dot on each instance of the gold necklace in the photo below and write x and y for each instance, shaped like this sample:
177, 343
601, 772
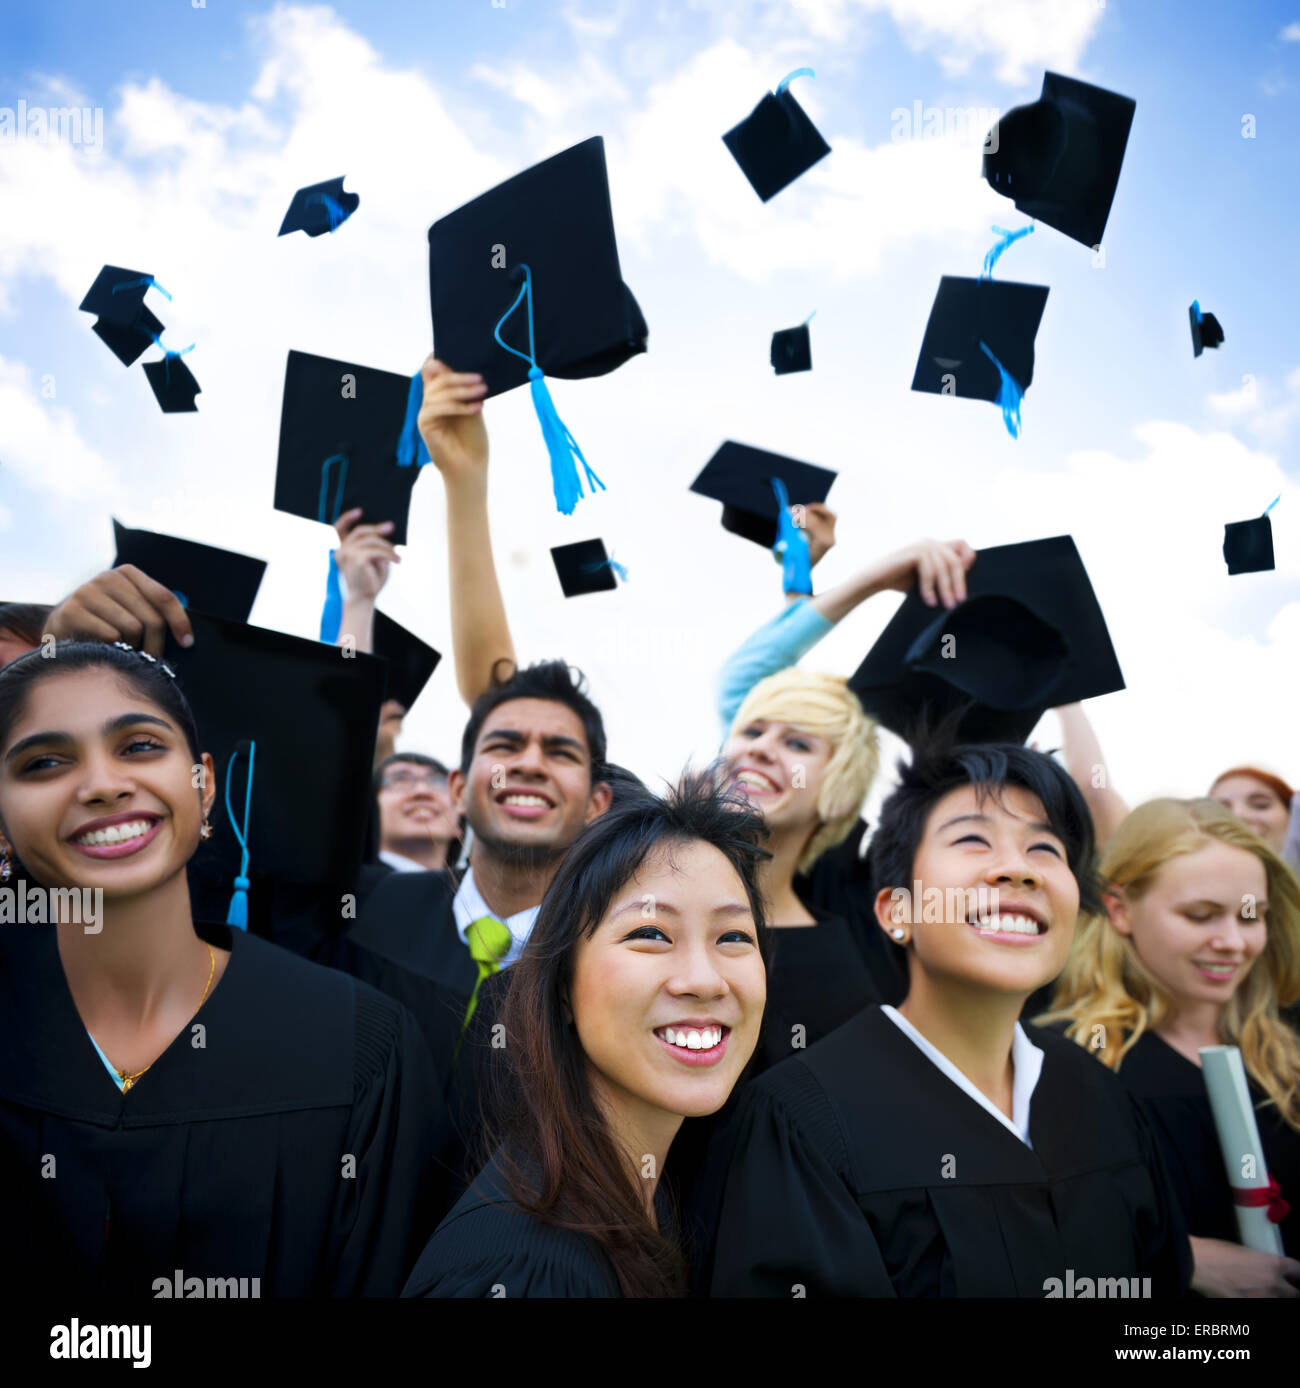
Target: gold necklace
129, 1080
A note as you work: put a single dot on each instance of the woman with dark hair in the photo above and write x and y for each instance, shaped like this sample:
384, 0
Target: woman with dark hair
21, 624
213, 1107
941, 1148
635, 1004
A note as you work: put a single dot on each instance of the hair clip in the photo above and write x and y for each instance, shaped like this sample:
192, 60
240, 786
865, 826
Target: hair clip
144, 655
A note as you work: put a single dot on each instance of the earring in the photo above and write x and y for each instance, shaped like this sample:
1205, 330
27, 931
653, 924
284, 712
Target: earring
205, 833
899, 933
6, 866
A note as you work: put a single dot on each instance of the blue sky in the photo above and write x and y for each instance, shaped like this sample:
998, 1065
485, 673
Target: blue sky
213, 116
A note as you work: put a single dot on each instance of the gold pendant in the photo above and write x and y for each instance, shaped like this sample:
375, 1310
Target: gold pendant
126, 1084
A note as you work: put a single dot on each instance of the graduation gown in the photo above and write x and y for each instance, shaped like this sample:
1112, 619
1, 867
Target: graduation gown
488, 1247
860, 1169
297, 1145
408, 920
1171, 1089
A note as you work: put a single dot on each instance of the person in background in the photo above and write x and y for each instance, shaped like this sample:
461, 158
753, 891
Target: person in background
1198, 944
418, 831
21, 625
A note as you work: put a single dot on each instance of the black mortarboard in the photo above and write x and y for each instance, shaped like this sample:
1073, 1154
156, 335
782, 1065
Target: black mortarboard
219, 582
1059, 157
312, 713
1002, 314
1248, 545
792, 350
1206, 331
340, 425
741, 478
776, 142
319, 208
1029, 636
555, 218
173, 384
584, 567
122, 321
410, 661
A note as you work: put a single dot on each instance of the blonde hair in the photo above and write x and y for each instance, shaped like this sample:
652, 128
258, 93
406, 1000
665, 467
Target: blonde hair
1105, 984
825, 706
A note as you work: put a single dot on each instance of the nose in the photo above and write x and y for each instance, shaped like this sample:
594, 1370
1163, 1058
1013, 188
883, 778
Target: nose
1012, 866
528, 762
1229, 938
103, 781
697, 975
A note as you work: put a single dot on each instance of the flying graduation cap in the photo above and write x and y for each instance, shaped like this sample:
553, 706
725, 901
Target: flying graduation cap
584, 567
409, 661
216, 581
742, 479
524, 283
776, 142
291, 728
319, 208
1029, 636
1206, 331
172, 382
792, 349
1248, 544
1059, 158
122, 320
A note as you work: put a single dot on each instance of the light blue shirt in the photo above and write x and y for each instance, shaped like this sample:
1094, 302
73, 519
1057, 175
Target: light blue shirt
777, 644
468, 906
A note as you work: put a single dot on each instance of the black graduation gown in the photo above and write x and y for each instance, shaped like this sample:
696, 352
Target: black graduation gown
837, 1180
488, 1247
408, 919
1172, 1092
230, 1160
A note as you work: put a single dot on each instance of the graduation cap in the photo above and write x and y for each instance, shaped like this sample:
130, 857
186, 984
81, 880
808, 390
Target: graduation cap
1029, 636
291, 727
122, 321
792, 349
979, 342
172, 382
1206, 331
1059, 158
584, 567
340, 430
319, 208
741, 478
1248, 544
219, 582
410, 661
524, 283
776, 142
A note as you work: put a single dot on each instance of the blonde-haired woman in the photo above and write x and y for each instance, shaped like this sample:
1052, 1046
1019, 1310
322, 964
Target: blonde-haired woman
801, 749
1199, 945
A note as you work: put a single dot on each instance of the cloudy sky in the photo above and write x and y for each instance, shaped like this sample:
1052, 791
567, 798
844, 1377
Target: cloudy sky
213, 114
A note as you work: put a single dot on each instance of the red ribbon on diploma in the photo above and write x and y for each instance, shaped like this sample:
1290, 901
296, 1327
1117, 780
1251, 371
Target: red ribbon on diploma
1269, 1195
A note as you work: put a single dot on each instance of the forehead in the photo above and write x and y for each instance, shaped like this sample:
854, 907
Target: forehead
1242, 786
79, 702
1215, 871
534, 719
1012, 804
687, 873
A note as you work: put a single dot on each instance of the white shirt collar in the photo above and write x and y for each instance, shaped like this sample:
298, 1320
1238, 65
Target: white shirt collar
1026, 1062
399, 863
468, 906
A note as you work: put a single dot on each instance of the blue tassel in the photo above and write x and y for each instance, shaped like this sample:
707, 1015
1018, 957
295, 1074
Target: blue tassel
337, 213
562, 447
168, 354
410, 447
237, 915
995, 252
610, 563
790, 76
791, 546
331, 617
1272, 503
149, 283
1009, 395
180, 597
1196, 309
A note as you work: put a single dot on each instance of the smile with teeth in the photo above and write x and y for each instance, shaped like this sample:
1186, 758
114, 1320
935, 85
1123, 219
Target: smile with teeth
757, 780
692, 1038
115, 833
1216, 970
1008, 924
522, 798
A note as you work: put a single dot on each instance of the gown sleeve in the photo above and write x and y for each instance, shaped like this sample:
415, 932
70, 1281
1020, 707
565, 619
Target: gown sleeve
783, 641
398, 1136
1164, 1251
790, 1226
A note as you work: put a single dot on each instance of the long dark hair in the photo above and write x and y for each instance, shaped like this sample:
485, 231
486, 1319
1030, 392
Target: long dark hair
148, 677
560, 1159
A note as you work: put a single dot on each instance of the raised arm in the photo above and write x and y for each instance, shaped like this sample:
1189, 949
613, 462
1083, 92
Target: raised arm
363, 557
451, 424
1084, 761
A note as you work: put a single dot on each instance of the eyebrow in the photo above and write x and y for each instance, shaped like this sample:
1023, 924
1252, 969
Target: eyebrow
1038, 826
549, 740
61, 739
666, 908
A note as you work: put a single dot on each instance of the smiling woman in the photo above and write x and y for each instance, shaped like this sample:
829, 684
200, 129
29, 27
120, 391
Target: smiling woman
241, 1079
636, 1004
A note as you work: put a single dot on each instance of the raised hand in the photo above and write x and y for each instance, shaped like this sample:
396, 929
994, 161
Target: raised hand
451, 421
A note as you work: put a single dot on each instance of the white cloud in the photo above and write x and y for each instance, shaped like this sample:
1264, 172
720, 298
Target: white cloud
42, 446
1267, 410
1291, 34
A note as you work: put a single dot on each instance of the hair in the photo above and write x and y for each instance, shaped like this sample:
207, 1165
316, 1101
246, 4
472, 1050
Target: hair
1105, 984
147, 677
24, 621
825, 706
936, 769
561, 1161
547, 679
415, 758
1274, 783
